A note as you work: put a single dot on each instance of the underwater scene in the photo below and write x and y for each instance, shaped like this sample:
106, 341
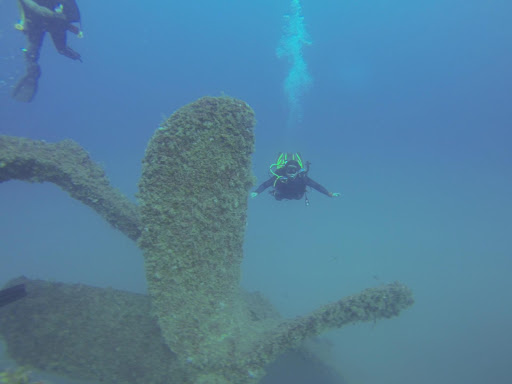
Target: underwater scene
273, 191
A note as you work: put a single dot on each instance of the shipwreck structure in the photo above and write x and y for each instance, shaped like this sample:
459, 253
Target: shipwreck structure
190, 223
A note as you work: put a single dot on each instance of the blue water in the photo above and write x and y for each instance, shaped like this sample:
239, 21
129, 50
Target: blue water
408, 117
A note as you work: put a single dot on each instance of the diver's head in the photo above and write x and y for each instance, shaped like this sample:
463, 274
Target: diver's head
291, 168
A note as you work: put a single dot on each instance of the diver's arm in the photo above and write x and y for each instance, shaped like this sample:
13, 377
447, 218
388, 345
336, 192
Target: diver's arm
42, 11
265, 185
313, 184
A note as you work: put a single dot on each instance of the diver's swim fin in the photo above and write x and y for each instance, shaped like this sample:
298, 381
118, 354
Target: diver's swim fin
26, 88
12, 294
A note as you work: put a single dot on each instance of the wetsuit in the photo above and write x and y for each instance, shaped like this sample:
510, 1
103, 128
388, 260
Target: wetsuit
291, 188
39, 20
39, 17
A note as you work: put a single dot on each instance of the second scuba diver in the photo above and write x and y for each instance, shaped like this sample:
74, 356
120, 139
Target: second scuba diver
290, 179
37, 18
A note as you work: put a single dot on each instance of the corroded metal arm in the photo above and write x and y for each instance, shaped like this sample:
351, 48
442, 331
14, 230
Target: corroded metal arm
69, 166
369, 305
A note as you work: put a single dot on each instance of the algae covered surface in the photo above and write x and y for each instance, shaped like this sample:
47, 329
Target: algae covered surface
69, 166
108, 336
191, 219
193, 197
87, 333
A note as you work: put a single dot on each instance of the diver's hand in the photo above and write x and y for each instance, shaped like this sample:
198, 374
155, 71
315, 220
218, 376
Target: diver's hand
254, 194
334, 194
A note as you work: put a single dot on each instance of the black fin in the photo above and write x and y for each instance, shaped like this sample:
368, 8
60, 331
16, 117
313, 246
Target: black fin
26, 88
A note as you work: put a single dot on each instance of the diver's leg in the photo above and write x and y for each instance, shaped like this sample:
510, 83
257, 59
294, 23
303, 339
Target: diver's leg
34, 42
26, 88
59, 40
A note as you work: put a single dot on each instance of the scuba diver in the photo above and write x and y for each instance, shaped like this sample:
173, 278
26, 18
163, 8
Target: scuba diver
290, 179
12, 294
37, 18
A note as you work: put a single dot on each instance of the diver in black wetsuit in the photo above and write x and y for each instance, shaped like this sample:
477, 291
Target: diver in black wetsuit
37, 18
290, 180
